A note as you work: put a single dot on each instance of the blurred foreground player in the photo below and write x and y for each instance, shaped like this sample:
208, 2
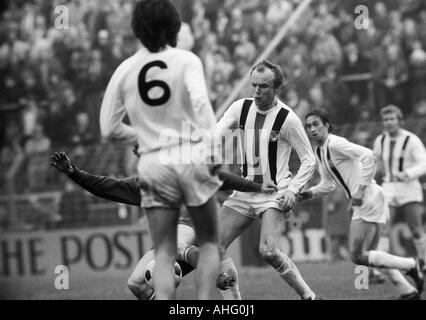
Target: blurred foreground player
163, 91
127, 191
402, 158
352, 167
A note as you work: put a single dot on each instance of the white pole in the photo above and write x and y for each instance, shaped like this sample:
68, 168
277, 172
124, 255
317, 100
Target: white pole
264, 55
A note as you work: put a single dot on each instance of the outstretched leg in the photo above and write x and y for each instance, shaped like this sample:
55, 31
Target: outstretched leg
362, 234
273, 224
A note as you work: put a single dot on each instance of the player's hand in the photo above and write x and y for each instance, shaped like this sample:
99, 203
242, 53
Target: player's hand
268, 188
357, 198
60, 161
288, 199
213, 168
305, 195
401, 176
135, 150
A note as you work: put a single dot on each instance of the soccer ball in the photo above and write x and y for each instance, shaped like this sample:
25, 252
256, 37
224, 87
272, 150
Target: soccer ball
149, 270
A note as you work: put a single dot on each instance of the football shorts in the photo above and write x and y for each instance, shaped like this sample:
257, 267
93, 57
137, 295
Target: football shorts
401, 193
374, 207
170, 185
253, 204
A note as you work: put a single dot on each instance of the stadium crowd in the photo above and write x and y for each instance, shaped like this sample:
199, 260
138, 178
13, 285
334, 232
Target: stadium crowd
55, 68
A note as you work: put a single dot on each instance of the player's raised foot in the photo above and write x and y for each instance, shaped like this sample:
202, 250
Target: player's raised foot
225, 281
410, 296
417, 274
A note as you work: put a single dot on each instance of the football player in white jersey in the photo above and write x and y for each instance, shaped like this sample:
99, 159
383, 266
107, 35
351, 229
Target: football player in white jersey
402, 158
268, 131
352, 167
163, 91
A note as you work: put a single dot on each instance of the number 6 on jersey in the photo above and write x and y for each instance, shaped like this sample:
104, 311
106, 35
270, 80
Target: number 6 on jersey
145, 86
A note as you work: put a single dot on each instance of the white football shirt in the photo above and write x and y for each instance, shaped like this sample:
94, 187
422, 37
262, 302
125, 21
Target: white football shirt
344, 163
164, 95
267, 151
396, 157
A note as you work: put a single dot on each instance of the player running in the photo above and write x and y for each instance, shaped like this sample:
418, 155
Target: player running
127, 191
352, 167
402, 158
162, 89
269, 129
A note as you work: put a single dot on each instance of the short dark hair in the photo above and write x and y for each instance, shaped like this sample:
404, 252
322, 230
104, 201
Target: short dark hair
279, 76
323, 115
392, 109
156, 23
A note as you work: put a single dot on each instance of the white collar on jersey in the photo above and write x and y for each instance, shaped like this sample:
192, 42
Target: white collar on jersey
269, 110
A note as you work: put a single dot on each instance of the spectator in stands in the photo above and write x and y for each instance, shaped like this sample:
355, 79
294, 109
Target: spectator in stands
12, 147
74, 206
326, 50
299, 105
278, 11
323, 20
317, 99
82, 134
293, 48
381, 17
417, 65
422, 27
245, 49
300, 74
336, 93
391, 74
37, 149
354, 64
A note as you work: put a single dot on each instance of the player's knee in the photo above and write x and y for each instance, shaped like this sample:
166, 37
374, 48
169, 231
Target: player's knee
417, 232
270, 254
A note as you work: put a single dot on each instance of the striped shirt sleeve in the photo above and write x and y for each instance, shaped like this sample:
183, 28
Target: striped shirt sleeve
325, 186
418, 152
342, 147
295, 134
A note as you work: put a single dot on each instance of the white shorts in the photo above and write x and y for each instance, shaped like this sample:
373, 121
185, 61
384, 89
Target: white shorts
170, 185
374, 208
253, 204
400, 193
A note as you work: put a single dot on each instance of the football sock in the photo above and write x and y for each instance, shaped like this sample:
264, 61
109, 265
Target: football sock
291, 274
233, 293
384, 244
190, 255
381, 259
400, 282
420, 245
